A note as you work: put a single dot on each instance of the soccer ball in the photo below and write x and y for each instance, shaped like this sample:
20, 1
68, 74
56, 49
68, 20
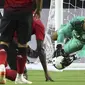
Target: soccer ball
57, 62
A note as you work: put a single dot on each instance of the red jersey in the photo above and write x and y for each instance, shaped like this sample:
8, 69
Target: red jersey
18, 4
37, 28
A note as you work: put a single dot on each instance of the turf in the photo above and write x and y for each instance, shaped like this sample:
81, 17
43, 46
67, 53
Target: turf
60, 78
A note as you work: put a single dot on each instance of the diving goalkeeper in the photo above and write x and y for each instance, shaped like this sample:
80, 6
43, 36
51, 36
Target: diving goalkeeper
74, 31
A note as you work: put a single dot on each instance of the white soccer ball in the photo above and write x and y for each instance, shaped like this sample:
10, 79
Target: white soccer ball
57, 62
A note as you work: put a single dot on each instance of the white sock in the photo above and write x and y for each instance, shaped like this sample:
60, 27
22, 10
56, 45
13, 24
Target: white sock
19, 75
2, 68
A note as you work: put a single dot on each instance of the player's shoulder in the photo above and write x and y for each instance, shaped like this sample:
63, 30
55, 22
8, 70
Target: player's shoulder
78, 19
61, 29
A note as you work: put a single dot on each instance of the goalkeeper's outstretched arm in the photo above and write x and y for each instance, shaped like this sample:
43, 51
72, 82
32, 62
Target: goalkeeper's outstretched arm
65, 31
39, 4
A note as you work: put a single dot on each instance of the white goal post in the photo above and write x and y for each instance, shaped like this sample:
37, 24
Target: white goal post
58, 13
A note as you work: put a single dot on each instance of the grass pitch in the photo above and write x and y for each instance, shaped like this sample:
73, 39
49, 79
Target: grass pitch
60, 78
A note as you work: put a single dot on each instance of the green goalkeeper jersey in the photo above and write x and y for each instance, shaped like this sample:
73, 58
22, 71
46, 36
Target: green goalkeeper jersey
73, 27
77, 27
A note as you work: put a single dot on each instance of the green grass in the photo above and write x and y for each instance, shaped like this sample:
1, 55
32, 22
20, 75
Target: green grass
60, 78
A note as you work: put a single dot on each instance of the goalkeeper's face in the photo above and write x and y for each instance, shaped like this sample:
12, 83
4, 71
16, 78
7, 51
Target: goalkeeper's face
84, 25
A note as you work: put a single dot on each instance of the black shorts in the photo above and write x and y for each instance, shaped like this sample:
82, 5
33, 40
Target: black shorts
21, 22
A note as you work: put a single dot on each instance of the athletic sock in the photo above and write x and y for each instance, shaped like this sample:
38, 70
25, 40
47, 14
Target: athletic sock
21, 60
3, 56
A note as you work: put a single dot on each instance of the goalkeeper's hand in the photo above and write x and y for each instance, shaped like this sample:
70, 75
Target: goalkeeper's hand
59, 51
68, 60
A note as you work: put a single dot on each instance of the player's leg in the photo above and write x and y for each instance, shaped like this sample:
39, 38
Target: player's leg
73, 45
39, 31
70, 47
11, 59
12, 53
11, 74
24, 35
42, 57
6, 36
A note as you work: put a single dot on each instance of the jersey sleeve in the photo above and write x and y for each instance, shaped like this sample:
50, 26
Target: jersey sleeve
64, 32
77, 22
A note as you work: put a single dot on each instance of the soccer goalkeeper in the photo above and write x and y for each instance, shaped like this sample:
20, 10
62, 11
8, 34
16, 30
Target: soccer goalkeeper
74, 31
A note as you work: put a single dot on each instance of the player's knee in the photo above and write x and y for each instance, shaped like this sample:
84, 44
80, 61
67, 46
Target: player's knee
4, 45
22, 45
22, 51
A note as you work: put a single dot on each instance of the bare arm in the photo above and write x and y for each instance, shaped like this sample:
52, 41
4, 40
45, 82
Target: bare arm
39, 4
38, 8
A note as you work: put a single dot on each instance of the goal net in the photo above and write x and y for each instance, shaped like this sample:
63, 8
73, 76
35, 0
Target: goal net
48, 44
73, 8
54, 22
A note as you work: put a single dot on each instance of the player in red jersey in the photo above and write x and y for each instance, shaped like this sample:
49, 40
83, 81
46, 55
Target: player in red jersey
17, 17
39, 30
